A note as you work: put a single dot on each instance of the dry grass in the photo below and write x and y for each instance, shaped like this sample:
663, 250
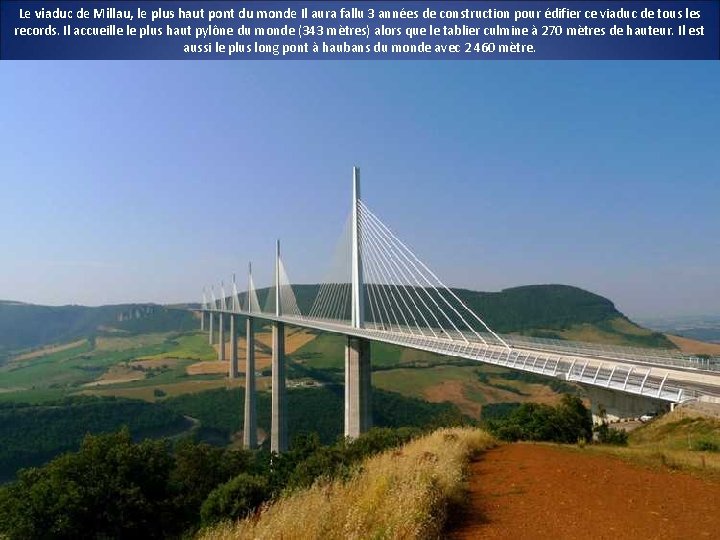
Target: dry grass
671, 441
297, 338
294, 339
703, 464
119, 373
693, 346
156, 363
208, 367
104, 343
592, 334
44, 351
401, 493
454, 392
146, 393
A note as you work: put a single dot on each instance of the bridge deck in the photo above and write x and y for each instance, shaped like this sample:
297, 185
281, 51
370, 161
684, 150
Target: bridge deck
659, 376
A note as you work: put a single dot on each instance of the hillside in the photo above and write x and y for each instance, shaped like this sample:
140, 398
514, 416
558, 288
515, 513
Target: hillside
554, 311
514, 309
24, 326
33, 434
550, 311
158, 355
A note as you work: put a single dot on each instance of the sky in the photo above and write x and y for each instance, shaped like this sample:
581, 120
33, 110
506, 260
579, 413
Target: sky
145, 181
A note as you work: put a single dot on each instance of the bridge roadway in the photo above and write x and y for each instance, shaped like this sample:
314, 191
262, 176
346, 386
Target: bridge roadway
649, 377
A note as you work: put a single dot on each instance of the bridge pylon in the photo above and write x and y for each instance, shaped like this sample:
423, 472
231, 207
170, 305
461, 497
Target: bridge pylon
203, 307
358, 369
210, 327
278, 424
233, 368
250, 413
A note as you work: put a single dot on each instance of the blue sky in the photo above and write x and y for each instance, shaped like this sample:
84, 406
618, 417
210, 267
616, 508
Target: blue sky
144, 181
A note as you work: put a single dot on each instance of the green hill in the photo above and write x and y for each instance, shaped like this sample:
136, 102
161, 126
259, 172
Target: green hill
24, 326
553, 311
550, 311
512, 310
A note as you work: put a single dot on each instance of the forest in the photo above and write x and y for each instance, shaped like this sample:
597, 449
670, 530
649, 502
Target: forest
33, 434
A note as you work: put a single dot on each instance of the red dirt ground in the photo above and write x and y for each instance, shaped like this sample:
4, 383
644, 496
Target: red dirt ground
524, 491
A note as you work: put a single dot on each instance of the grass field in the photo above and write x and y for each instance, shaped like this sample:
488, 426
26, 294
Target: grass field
327, 351
693, 346
124, 343
147, 393
51, 349
51, 371
617, 331
468, 387
676, 441
192, 345
64, 370
680, 430
118, 373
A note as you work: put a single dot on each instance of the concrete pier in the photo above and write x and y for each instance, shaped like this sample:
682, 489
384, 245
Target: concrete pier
358, 388
211, 338
358, 415
202, 320
221, 337
233, 372
619, 405
278, 425
250, 424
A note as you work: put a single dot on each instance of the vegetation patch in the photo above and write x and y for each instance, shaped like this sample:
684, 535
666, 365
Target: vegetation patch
683, 439
318, 410
681, 429
44, 351
148, 392
568, 422
31, 435
113, 487
402, 493
192, 346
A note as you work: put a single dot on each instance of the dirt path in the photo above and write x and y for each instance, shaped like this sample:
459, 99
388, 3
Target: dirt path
536, 491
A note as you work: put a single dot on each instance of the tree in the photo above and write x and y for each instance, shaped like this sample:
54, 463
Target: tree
235, 499
200, 468
568, 422
110, 488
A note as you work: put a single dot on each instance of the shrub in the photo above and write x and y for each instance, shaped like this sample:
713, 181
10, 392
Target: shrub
608, 435
111, 488
565, 423
703, 445
234, 499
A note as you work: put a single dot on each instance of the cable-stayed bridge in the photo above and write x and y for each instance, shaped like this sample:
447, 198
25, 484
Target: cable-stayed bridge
377, 289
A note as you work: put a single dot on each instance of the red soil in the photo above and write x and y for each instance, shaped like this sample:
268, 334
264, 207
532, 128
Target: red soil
523, 491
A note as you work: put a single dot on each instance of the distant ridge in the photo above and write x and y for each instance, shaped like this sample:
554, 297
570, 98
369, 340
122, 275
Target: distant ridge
550, 311
24, 326
553, 311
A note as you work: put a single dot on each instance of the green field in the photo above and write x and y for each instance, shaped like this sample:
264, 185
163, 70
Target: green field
191, 346
49, 377
327, 351
414, 382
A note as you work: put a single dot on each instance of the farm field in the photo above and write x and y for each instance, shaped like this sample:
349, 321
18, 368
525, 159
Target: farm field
467, 387
153, 366
110, 361
693, 346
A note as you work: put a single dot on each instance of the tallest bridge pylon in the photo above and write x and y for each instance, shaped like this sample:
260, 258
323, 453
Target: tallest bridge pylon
358, 388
